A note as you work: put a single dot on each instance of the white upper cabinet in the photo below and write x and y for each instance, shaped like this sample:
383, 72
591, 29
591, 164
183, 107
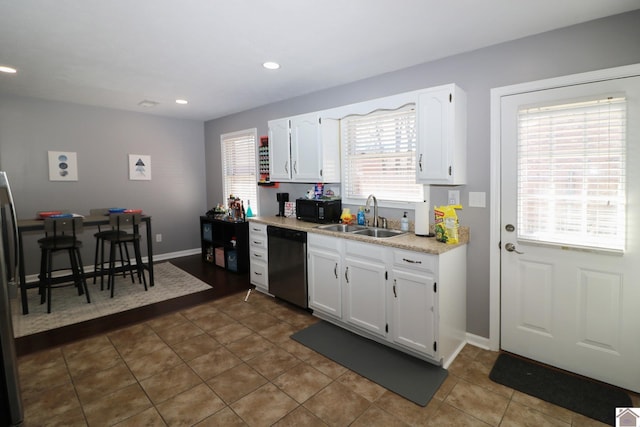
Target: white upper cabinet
441, 157
307, 151
279, 150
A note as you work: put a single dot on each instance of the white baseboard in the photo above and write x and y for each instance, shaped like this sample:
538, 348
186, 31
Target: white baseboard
478, 341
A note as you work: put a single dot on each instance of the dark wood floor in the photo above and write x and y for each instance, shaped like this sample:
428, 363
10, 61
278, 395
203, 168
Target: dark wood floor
223, 283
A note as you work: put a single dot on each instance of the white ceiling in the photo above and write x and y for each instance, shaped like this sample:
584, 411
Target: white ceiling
117, 53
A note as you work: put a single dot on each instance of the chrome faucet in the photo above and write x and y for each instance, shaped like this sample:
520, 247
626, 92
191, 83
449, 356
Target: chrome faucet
375, 208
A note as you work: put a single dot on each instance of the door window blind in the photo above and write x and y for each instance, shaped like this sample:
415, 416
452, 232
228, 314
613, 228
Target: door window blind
379, 156
239, 166
571, 173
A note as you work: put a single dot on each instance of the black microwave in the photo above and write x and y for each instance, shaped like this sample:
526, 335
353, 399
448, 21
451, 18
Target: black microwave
321, 211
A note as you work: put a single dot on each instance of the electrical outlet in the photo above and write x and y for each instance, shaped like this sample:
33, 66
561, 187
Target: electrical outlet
158, 238
454, 197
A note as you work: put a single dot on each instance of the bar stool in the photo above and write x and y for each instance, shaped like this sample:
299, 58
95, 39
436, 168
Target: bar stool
98, 267
119, 222
60, 235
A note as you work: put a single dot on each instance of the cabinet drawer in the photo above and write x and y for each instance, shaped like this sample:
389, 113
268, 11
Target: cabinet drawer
318, 241
257, 254
365, 250
257, 229
259, 274
257, 240
414, 260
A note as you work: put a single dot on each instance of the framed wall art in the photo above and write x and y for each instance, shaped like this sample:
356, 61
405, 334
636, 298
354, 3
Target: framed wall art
63, 166
139, 167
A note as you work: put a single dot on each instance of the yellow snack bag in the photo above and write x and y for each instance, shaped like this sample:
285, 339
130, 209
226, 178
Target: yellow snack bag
446, 223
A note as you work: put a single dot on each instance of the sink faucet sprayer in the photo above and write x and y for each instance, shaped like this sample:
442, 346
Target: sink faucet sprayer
375, 208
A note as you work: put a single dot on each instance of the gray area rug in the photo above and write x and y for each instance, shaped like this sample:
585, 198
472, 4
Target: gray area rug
410, 377
67, 307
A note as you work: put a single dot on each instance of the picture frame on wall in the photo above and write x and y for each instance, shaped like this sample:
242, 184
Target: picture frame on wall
139, 167
63, 166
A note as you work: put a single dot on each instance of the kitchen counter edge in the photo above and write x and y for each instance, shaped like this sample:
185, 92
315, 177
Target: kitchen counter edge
407, 241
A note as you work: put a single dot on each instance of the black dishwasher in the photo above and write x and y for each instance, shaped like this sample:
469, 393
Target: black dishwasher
288, 265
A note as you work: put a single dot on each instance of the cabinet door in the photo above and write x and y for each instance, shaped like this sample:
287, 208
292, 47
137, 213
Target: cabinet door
323, 275
279, 150
441, 155
306, 153
364, 284
413, 318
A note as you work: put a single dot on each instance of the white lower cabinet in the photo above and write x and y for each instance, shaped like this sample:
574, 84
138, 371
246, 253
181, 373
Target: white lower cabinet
413, 304
412, 301
258, 266
364, 287
324, 270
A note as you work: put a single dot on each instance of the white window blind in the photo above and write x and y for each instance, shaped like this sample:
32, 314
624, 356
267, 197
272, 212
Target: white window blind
239, 166
380, 156
571, 174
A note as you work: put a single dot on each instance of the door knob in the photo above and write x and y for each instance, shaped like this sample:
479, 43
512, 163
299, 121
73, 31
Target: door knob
510, 247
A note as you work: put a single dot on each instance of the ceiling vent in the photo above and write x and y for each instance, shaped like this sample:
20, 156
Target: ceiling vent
148, 104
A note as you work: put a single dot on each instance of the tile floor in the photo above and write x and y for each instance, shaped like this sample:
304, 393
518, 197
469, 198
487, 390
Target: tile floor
232, 363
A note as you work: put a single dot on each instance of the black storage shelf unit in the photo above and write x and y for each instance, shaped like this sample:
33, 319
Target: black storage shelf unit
217, 248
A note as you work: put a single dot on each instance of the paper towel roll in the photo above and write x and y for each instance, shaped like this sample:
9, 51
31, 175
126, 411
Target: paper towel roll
422, 218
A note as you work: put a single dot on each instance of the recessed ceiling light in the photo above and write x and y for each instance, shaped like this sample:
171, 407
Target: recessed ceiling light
271, 65
181, 101
8, 70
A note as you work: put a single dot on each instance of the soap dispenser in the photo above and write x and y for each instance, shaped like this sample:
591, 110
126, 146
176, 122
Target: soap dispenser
404, 223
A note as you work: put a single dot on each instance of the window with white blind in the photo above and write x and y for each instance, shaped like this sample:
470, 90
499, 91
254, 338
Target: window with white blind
239, 166
379, 157
571, 173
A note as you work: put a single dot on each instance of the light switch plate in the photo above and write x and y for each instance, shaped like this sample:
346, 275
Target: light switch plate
477, 199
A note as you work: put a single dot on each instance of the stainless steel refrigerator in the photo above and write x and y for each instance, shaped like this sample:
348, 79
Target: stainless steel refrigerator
11, 412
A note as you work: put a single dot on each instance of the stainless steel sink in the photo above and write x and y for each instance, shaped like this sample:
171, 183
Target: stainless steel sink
379, 232
342, 228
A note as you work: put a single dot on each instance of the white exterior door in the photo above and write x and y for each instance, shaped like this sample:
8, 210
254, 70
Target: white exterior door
565, 305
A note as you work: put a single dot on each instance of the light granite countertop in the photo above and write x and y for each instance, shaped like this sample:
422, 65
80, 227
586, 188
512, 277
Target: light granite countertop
408, 241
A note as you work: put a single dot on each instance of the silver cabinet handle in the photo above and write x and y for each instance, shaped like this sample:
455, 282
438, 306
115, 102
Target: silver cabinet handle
257, 274
411, 261
395, 294
295, 167
420, 162
346, 274
510, 247
335, 270
286, 166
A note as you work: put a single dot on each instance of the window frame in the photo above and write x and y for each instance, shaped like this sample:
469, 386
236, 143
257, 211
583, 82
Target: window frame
226, 138
347, 169
572, 132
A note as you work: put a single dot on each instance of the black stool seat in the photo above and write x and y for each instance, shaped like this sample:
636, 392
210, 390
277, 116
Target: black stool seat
99, 261
60, 235
118, 222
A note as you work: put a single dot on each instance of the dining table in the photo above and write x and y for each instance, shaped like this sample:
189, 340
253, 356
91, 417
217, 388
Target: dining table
33, 225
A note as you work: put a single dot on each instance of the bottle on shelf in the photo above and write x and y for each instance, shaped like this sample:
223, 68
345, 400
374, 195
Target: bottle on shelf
361, 218
249, 211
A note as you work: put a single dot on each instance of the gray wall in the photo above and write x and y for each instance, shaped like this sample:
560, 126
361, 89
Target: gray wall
594, 45
103, 139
